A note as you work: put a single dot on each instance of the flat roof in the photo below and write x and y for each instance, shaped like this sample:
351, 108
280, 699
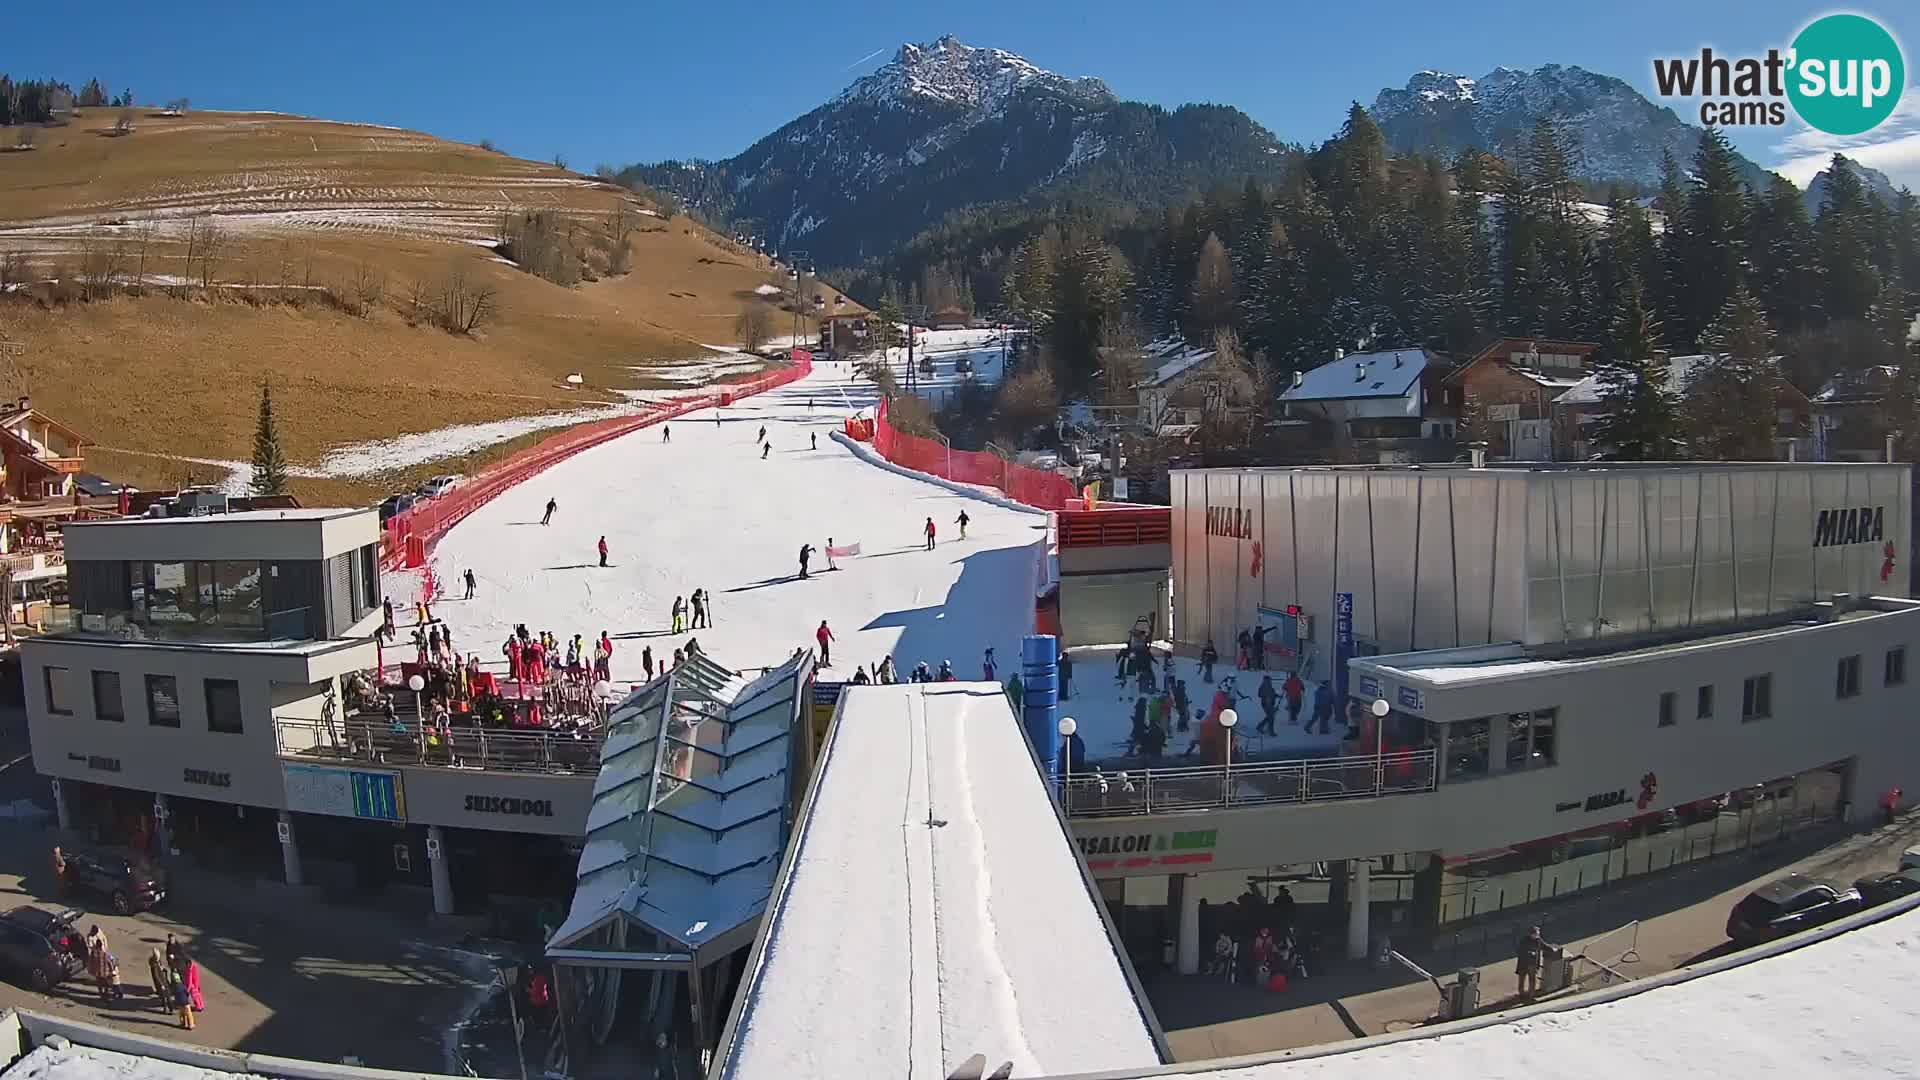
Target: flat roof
1490, 663
933, 908
1841, 1003
307, 513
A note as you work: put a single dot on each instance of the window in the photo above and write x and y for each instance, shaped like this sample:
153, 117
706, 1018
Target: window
107, 702
1846, 677
1530, 738
1756, 698
223, 706
1896, 670
163, 701
236, 594
1467, 747
1667, 717
59, 700
1703, 703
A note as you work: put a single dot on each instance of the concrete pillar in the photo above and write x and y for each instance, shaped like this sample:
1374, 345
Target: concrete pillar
162, 834
1358, 898
62, 812
442, 879
1187, 945
290, 850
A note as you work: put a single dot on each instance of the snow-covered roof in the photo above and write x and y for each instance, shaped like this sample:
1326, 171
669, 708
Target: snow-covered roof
933, 908
685, 831
1362, 375
1590, 390
1866, 384
1838, 1004
1175, 362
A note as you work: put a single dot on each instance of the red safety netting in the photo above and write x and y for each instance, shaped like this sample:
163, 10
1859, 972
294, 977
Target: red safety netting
1035, 487
407, 536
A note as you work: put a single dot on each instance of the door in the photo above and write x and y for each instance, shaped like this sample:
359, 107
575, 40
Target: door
1529, 440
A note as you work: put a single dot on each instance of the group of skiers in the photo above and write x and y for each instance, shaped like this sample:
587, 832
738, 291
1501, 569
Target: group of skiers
702, 607
538, 658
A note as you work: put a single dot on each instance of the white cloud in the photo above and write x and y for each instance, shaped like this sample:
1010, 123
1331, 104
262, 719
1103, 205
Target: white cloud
1893, 147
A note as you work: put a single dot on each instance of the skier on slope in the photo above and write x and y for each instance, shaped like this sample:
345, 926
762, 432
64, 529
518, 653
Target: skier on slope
603, 550
962, 522
547, 518
666, 432
679, 613
699, 608
806, 552
469, 576
825, 637
830, 564
762, 437
929, 531
765, 449
813, 440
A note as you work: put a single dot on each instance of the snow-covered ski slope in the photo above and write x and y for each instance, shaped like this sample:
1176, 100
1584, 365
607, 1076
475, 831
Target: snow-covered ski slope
933, 909
706, 511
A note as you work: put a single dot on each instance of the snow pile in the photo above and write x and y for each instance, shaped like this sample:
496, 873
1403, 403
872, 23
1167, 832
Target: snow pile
977, 933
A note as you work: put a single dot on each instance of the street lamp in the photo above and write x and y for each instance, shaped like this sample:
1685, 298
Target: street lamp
417, 684
1228, 718
1067, 727
1380, 710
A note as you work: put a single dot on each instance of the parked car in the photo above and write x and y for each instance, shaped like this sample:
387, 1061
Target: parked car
1792, 904
434, 487
39, 948
127, 880
963, 364
396, 504
1892, 885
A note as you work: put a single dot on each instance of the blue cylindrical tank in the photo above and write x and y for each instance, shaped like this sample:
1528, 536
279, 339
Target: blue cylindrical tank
1040, 674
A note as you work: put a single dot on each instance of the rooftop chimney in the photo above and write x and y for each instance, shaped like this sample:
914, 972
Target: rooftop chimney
25, 403
1360, 373
1477, 451
1339, 354
1396, 359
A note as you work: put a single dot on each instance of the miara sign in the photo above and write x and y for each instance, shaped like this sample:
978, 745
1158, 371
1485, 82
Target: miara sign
1230, 521
1854, 525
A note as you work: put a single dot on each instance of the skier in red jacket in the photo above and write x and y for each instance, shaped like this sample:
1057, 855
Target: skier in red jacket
603, 551
929, 534
825, 637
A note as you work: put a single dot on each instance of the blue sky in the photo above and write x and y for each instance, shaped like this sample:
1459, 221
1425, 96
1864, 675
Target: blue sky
601, 81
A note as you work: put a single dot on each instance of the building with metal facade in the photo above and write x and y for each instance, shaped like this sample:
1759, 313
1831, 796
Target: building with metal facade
1569, 556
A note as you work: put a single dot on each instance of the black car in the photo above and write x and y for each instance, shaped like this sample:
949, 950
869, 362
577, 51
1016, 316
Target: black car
41, 948
128, 881
1892, 885
1788, 906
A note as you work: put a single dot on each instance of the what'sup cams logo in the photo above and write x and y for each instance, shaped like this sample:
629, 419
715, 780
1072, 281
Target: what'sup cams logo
1843, 75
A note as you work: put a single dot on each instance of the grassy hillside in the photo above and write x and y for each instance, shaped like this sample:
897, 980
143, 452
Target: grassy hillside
329, 236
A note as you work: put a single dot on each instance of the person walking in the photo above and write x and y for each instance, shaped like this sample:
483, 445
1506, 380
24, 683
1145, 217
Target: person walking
806, 553
1269, 706
762, 437
666, 433
830, 565
1526, 961
547, 518
825, 637
962, 522
1245, 642
1292, 690
679, 614
470, 582
603, 550
886, 675
1322, 709
699, 608
813, 440
1259, 655
930, 534
1209, 656
386, 611
646, 661
765, 449
1181, 704
1066, 676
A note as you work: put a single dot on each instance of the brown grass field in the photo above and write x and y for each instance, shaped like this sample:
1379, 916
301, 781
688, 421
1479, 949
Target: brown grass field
162, 371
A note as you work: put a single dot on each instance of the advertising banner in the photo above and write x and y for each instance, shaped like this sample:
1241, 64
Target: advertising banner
1342, 647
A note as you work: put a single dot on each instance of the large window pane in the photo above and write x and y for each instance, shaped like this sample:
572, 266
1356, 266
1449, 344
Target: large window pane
107, 702
170, 593
223, 706
237, 592
59, 695
1467, 748
163, 701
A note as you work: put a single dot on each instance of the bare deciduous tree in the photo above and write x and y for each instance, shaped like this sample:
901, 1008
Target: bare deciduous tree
103, 262
215, 245
14, 268
753, 325
466, 303
144, 228
369, 288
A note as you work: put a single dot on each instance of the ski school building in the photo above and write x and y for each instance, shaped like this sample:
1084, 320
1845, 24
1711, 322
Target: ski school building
1549, 677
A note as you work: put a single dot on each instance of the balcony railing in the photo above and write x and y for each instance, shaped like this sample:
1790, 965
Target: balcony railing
1161, 791
372, 741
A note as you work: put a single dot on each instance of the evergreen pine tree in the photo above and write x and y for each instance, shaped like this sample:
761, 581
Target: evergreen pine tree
1843, 243
1786, 278
1728, 404
1712, 248
269, 465
1639, 416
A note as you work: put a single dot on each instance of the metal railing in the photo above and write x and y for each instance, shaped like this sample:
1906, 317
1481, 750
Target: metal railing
371, 740
1157, 791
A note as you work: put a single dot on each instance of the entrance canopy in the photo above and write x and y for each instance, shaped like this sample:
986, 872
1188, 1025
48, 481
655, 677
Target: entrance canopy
689, 811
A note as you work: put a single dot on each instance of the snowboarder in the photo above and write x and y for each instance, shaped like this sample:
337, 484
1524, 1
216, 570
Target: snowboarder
962, 522
1209, 656
603, 551
830, 565
666, 433
762, 437
825, 637
679, 614
646, 661
929, 531
469, 577
806, 553
813, 440
547, 518
1292, 689
1269, 705
765, 449
1066, 676
989, 672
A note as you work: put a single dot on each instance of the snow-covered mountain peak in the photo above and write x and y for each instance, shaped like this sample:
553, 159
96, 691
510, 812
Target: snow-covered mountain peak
953, 73
1440, 86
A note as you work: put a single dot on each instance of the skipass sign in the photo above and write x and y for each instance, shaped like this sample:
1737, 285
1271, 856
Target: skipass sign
1843, 74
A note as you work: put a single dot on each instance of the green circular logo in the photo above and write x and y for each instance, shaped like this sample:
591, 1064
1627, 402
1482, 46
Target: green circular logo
1847, 74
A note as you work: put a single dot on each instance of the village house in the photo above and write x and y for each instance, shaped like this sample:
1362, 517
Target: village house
1507, 389
1394, 406
1579, 409
1848, 422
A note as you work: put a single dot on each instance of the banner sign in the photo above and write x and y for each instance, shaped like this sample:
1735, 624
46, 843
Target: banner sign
841, 551
1342, 645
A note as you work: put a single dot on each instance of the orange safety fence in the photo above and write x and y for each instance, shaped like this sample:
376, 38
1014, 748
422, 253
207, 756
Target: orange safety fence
406, 537
1021, 483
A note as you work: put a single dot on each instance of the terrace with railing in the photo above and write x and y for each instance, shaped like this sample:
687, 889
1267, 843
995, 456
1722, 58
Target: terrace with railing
1213, 787
370, 739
